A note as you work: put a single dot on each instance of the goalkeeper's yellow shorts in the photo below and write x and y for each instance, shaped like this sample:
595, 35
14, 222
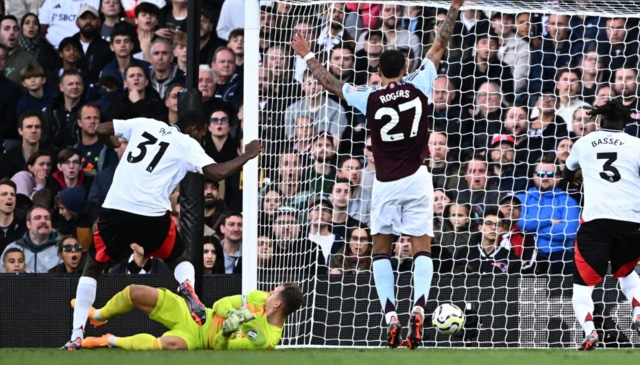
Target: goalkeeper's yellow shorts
172, 311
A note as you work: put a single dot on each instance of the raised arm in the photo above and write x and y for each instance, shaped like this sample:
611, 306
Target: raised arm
221, 171
326, 79
106, 136
445, 33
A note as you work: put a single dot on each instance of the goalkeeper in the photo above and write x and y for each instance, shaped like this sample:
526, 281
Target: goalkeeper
251, 322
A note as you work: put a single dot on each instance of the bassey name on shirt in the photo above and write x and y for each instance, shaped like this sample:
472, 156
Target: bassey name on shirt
607, 141
394, 96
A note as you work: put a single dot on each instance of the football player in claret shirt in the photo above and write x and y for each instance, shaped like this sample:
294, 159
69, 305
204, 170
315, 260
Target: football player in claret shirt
610, 161
239, 322
399, 117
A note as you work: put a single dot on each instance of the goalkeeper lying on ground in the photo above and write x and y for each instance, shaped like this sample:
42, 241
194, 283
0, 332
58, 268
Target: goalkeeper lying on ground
252, 322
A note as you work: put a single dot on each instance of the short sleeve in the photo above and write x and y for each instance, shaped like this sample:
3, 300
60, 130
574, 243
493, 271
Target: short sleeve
424, 77
44, 15
124, 127
197, 159
357, 96
573, 162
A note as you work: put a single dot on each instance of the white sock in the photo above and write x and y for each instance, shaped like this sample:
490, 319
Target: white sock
112, 340
85, 296
97, 316
383, 277
185, 271
583, 307
422, 275
630, 286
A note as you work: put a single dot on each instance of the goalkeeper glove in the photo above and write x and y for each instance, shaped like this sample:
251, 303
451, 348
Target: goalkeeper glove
235, 319
245, 315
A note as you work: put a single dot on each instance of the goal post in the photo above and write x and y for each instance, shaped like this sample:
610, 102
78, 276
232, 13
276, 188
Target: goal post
307, 199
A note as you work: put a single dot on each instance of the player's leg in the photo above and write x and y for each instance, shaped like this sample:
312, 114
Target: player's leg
624, 258
176, 257
591, 258
141, 341
385, 285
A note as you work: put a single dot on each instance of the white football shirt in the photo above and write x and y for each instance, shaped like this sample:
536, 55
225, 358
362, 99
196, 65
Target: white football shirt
61, 15
156, 160
610, 162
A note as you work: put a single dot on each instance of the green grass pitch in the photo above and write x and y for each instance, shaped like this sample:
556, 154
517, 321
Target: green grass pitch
317, 356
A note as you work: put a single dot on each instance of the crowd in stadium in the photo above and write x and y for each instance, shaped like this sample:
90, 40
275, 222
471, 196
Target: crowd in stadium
512, 97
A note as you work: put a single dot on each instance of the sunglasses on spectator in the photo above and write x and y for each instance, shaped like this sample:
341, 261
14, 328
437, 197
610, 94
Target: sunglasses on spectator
222, 120
74, 247
545, 173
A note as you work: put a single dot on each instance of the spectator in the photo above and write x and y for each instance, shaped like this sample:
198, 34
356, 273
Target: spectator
368, 58
604, 94
29, 128
486, 121
334, 33
215, 209
137, 99
236, 44
211, 251
342, 66
514, 51
265, 251
58, 17
555, 51
31, 41
70, 252
563, 150
368, 171
17, 58
593, 74
75, 219
447, 116
102, 181
486, 255
516, 123
393, 33
620, 48
173, 18
513, 177
219, 144
523, 245
69, 173
228, 82
486, 68
13, 261
470, 24
442, 168
12, 223
626, 85
229, 19
39, 95
340, 198
441, 199
351, 169
171, 102
552, 215
403, 259
39, 242
69, 55
457, 229
95, 49
231, 228
309, 29
35, 177
450, 62
327, 114
94, 155
582, 122
9, 97
319, 218
547, 124
180, 51
147, 22
322, 169
478, 188
163, 72
303, 136
355, 255
122, 46
138, 263
111, 13
568, 85
207, 37
60, 119
271, 201
288, 181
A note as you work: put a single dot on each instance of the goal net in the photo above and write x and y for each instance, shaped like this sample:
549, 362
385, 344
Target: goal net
511, 99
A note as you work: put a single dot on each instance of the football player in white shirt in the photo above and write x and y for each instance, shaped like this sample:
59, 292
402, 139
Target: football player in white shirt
137, 207
610, 163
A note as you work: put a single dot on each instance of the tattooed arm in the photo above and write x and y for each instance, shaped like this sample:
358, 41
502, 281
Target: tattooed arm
445, 33
300, 45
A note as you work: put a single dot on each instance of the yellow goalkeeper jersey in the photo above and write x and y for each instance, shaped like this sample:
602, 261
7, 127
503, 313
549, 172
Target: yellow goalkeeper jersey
257, 334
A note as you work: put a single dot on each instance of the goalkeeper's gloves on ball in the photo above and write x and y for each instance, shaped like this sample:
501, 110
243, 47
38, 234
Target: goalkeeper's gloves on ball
235, 319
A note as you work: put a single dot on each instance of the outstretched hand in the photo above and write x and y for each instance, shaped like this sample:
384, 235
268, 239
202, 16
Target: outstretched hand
457, 3
300, 45
253, 149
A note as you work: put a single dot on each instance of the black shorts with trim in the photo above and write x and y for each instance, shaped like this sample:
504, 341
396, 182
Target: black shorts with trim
118, 229
602, 241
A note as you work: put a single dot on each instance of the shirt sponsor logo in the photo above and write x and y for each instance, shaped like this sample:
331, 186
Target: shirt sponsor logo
252, 334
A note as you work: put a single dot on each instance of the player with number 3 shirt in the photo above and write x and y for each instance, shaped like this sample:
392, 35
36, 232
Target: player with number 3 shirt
398, 116
137, 207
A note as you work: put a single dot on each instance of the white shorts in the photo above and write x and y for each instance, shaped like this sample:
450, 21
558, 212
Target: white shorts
404, 206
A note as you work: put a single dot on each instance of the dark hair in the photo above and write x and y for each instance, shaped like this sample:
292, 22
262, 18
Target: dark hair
564, 70
292, 298
392, 63
147, 7
24, 19
341, 180
238, 32
229, 215
492, 211
29, 114
11, 250
192, 118
346, 158
122, 29
71, 72
135, 65
11, 17
8, 182
62, 238
34, 207
66, 153
220, 49
71, 42
218, 265
35, 156
45, 197
615, 115
167, 92
32, 71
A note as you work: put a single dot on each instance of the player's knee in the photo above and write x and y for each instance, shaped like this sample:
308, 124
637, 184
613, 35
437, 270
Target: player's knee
137, 293
173, 343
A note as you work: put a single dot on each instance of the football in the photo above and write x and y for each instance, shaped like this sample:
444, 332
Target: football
448, 319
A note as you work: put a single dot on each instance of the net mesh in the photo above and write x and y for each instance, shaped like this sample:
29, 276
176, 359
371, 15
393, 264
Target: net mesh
515, 84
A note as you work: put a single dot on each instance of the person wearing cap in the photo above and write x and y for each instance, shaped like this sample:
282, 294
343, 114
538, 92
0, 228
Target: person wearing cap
328, 115
74, 218
17, 58
297, 257
96, 50
319, 216
513, 238
513, 178
58, 18
486, 67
